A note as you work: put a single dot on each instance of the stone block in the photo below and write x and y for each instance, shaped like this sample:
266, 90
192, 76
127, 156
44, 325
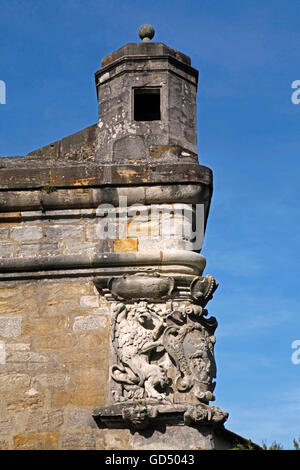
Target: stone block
37, 441
30, 250
24, 401
42, 421
4, 444
126, 245
9, 290
10, 327
13, 305
4, 232
78, 441
60, 232
175, 438
90, 341
83, 397
10, 347
79, 247
89, 323
89, 377
6, 425
89, 358
26, 233
21, 356
113, 439
44, 326
12, 382
52, 381
143, 229
80, 419
89, 301
6, 250
65, 341
74, 287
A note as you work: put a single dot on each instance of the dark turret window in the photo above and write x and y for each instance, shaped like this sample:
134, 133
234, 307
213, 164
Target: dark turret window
147, 104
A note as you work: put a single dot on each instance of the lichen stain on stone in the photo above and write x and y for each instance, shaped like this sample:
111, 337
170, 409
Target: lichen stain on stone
157, 152
129, 175
84, 182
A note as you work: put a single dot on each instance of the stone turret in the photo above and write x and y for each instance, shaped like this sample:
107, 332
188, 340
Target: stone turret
147, 105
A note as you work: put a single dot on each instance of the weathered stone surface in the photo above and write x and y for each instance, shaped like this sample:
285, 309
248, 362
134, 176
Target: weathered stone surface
175, 438
6, 425
89, 323
2, 353
37, 441
10, 327
26, 233
52, 381
14, 382
37, 249
10, 347
4, 233
81, 441
89, 377
42, 326
113, 439
19, 173
90, 341
126, 245
92, 358
87, 397
80, 419
66, 341
60, 232
25, 401
89, 301
4, 444
42, 421
20, 356
6, 250
80, 145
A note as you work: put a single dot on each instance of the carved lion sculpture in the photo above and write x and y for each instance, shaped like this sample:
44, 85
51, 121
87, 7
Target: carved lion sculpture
135, 334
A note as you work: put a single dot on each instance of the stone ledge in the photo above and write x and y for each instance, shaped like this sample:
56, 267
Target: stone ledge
151, 49
43, 201
153, 260
25, 173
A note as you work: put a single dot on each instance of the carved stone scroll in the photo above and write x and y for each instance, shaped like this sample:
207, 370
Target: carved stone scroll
162, 351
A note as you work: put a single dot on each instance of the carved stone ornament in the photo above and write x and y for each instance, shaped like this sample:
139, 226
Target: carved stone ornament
162, 355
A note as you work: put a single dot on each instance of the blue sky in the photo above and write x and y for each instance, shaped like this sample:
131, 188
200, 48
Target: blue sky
247, 53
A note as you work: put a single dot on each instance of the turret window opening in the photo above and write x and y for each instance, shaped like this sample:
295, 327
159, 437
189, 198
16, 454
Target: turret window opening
147, 104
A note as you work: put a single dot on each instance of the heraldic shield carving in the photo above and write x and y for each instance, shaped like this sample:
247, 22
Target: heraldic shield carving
162, 353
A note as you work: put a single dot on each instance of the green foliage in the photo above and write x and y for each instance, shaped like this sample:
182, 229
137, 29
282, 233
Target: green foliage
296, 443
49, 189
274, 446
248, 446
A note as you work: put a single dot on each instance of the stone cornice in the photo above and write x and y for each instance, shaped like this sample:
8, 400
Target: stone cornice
108, 263
28, 173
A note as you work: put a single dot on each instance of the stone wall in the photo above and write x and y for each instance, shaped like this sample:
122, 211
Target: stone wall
54, 363
72, 232
54, 333
54, 352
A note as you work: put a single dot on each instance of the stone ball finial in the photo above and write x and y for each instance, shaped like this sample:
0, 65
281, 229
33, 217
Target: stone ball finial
146, 32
